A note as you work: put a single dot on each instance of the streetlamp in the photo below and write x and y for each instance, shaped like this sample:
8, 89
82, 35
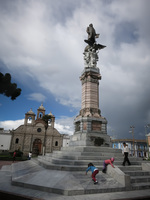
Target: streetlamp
133, 139
147, 136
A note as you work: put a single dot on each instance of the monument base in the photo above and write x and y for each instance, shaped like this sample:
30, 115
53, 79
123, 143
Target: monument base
90, 131
90, 139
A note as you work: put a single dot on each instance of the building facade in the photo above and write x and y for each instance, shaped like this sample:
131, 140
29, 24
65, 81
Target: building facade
66, 140
5, 139
35, 136
136, 147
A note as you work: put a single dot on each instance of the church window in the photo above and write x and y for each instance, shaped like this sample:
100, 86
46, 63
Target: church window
39, 130
49, 122
56, 143
29, 120
17, 140
41, 115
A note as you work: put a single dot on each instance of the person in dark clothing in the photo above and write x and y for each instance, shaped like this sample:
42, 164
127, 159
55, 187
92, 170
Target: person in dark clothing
14, 156
125, 151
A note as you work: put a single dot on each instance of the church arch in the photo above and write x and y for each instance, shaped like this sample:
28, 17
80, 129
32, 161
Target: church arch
40, 115
37, 146
29, 121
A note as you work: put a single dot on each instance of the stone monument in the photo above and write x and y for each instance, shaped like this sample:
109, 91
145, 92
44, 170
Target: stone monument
90, 126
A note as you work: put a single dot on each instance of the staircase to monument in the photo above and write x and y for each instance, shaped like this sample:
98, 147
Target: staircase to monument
139, 179
77, 159
63, 172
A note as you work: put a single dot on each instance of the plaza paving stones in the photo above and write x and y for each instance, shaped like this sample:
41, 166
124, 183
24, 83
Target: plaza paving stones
7, 187
30, 175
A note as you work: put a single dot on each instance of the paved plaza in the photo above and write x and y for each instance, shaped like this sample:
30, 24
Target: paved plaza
28, 193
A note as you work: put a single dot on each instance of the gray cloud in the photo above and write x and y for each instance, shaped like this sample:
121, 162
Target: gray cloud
36, 97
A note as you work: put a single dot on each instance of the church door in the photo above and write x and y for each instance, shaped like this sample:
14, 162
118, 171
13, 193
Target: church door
37, 144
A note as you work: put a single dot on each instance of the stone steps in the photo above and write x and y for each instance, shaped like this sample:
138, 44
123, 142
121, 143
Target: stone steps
140, 186
77, 158
74, 166
89, 157
96, 162
79, 154
126, 169
50, 172
31, 175
89, 149
140, 179
138, 173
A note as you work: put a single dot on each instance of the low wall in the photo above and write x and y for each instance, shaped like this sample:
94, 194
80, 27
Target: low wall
119, 175
146, 166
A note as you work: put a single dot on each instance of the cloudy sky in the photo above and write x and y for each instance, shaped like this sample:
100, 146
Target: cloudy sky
42, 44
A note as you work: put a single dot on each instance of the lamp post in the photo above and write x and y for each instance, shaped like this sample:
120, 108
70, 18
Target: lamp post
147, 136
132, 127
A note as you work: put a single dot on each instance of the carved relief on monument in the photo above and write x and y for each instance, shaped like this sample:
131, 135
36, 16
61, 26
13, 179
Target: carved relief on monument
88, 76
96, 125
88, 112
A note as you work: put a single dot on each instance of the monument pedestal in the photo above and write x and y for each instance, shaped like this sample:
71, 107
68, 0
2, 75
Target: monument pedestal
90, 131
90, 126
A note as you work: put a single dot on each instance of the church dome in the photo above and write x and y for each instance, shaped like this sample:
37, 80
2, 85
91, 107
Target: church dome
31, 112
41, 107
50, 114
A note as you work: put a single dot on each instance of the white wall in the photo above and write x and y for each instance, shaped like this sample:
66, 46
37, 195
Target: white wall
5, 140
66, 140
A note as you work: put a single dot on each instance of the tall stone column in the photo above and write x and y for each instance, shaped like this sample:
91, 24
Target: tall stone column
90, 92
90, 126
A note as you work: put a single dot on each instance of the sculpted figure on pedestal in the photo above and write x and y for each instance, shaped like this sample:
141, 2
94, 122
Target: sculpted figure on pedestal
92, 49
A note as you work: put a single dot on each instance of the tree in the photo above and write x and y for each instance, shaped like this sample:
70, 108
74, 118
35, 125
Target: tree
45, 118
7, 88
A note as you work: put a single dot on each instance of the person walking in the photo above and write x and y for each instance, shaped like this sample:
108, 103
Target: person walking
94, 172
30, 155
107, 162
14, 156
125, 151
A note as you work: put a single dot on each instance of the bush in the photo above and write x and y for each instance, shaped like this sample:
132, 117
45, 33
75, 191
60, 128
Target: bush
9, 156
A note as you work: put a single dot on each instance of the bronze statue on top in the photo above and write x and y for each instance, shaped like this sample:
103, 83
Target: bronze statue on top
91, 50
91, 38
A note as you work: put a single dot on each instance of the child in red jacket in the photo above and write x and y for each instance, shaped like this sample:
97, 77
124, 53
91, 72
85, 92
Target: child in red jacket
107, 162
